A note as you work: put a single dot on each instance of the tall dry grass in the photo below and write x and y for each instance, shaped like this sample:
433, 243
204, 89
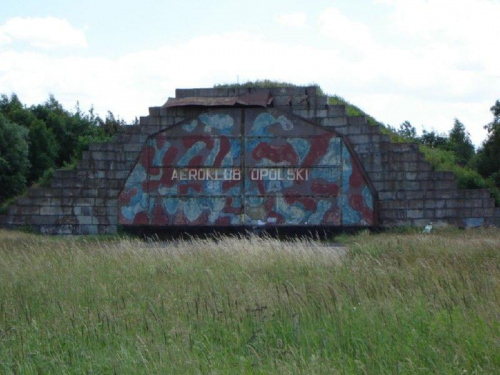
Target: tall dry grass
391, 303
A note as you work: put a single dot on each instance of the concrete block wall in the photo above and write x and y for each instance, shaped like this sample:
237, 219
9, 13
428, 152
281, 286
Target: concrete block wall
409, 192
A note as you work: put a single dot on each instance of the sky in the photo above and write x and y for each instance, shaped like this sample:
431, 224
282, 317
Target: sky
423, 61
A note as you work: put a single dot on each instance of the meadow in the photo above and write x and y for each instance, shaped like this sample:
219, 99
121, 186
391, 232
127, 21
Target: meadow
391, 303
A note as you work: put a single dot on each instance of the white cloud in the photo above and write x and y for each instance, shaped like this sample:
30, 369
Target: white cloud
297, 19
470, 27
440, 63
341, 29
428, 84
45, 33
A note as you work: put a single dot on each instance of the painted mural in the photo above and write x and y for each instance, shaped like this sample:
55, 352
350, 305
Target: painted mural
255, 167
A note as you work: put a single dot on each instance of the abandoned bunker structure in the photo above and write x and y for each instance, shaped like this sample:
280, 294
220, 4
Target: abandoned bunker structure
249, 157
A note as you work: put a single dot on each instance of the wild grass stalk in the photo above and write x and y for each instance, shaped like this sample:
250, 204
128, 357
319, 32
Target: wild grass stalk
392, 303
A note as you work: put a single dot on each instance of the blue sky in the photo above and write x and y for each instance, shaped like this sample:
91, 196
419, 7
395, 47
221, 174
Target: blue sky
425, 61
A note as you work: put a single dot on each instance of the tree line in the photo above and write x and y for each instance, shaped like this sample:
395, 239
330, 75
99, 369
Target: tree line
37, 139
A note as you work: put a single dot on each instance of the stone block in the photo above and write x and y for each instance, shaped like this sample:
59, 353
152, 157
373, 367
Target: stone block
152, 127
378, 185
489, 203
43, 192
66, 220
429, 214
51, 210
356, 120
99, 211
446, 213
84, 220
416, 204
393, 215
318, 102
144, 120
112, 211
366, 148
415, 214
404, 147
292, 91
386, 195
336, 111
475, 193
282, 101
89, 229
435, 203
334, 122
88, 193
416, 194
445, 184
167, 121
41, 220
410, 185
154, 111
133, 129
84, 201
360, 138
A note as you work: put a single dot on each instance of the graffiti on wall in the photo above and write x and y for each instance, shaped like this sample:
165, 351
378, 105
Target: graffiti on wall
246, 167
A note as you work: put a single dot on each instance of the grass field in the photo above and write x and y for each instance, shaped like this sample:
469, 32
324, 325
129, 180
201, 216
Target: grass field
392, 304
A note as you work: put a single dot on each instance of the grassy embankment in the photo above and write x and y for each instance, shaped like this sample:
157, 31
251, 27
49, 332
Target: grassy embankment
395, 303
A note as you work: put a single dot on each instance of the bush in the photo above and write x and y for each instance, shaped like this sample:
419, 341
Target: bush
14, 162
467, 178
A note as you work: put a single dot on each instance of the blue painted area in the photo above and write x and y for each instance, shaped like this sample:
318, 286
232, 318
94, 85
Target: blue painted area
136, 178
254, 201
222, 123
191, 153
189, 127
349, 216
474, 222
171, 205
333, 155
301, 146
160, 153
261, 123
347, 169
209, 188
210, 159
316, 218
252, 188
194, 208
327, 174
367, 197
234, 155
166, 191
138, 203
286, 124
295, 213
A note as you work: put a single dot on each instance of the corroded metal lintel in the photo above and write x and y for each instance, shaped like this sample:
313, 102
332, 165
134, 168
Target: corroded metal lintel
260, 98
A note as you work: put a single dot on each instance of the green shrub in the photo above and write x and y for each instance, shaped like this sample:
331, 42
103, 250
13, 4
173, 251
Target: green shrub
14, 162
467, 178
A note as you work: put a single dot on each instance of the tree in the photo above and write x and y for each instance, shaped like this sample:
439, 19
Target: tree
434, 140
43, 150
14, 162
460, 143
111, 124
408, 131
488, 158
